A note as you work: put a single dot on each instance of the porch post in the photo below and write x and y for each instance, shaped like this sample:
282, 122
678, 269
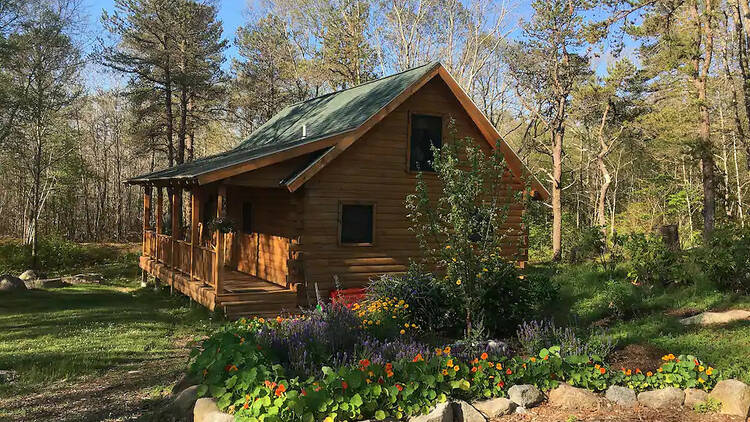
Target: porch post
175, 214
159, 217
219, 256
146, 226
195, 207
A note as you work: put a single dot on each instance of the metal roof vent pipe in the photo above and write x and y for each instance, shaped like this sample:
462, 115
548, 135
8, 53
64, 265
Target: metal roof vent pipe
304, 130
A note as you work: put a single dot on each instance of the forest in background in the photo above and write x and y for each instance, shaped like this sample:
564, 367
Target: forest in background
634, 113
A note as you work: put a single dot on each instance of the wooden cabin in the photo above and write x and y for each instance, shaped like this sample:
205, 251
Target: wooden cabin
315, 196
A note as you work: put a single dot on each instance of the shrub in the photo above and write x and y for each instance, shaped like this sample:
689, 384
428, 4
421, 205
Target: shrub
430, 302
616, 299
53, 255
537, 335
725, 258
652, 261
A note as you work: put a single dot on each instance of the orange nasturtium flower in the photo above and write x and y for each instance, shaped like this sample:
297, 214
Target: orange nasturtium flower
483, 356
649, 373
499, 366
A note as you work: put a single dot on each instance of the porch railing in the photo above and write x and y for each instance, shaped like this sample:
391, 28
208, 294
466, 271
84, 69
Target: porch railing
195, 261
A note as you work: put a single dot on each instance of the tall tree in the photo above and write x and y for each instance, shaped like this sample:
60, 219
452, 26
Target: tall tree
43, 70
546, 64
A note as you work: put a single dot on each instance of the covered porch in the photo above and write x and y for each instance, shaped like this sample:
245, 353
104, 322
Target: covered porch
198, 252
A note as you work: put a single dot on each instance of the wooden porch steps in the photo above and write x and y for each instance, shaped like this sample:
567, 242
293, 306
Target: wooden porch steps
266, 304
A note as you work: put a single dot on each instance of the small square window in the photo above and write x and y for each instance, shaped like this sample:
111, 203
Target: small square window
247, 217
426, 131
356, 224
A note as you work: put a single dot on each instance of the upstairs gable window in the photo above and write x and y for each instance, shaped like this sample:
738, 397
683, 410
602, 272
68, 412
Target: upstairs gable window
426, 132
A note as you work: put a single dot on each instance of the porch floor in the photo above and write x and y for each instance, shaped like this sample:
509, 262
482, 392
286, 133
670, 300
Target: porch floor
239, 282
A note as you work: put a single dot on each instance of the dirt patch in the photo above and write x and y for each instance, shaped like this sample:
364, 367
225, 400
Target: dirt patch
682, 312
642, 356
121, 394
616, 413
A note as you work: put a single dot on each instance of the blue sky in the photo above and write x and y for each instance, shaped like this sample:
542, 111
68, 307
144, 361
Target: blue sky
233, 13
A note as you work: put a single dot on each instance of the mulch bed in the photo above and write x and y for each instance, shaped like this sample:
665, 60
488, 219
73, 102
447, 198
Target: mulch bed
547, 413
642, 356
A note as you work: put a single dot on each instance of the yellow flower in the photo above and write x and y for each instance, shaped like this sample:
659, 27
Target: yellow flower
402, 332
709, 371
406, 306
447, 246
406, 325
328, 419
701, 380
449, 363
479, 275
456, 368
498, 366
701, 368
438, 351
447, 350
445, 372
458, 282
485, 269
414, 326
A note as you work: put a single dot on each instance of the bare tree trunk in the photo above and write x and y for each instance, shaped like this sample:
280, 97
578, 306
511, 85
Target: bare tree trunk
557, 140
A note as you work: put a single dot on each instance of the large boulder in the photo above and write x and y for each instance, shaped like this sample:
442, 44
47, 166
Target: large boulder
709, 318
28, 275
694, 396
734, 396
443, 412
464, 412
187, 380
205, 410
182, 405
567, 397
495, 407
663, 398
622, 396
10, 283
525, 395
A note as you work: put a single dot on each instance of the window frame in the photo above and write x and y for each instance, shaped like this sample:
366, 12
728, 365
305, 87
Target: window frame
413, 113
341, 219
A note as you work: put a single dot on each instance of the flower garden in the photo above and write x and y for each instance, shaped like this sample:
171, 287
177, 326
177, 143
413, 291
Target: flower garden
337, 363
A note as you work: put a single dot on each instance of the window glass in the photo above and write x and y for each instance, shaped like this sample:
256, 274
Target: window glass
247, 217
356, 224
425, 132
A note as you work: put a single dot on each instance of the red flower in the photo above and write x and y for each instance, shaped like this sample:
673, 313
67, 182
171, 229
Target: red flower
501, 384
226, 368
246, 406
344, 385
484, 356
474, 369
380, 380
304, 393
602, 370
364, 363
508, 372
280, 390
399, 387
388, 367
270, 385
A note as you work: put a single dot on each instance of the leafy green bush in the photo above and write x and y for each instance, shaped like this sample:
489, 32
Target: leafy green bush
430, 301
725, 258
652, 261
537, 335
617, 299
54, 255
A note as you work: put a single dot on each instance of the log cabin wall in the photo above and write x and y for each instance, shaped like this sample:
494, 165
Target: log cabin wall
264, 249
375, 170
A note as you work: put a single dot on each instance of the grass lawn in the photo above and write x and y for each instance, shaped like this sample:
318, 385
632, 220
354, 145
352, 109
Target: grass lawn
95, 352
654, 319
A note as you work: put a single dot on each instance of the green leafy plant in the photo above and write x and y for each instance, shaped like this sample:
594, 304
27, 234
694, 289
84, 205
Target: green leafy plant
463, 232
711, 405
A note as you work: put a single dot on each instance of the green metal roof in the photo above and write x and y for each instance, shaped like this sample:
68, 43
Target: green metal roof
323, 117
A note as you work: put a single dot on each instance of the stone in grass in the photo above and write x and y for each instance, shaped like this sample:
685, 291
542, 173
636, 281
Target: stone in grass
443, 412
694, 396
186, 381
495, 407
567, 397
28, 275
464, 412
183, 403
734, 396
205, 410
9, 283
663, 398
525, 395
622, 396
8, 376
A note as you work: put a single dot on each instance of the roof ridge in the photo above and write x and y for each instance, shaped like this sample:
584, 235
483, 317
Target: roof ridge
434, 62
